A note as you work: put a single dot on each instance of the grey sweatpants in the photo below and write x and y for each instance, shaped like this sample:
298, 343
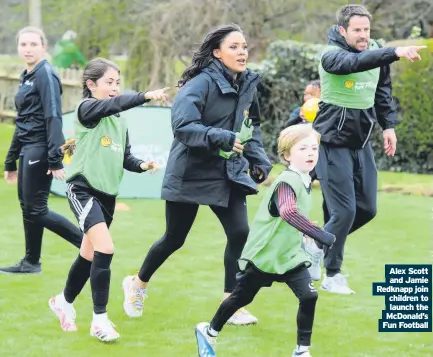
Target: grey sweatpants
348, 179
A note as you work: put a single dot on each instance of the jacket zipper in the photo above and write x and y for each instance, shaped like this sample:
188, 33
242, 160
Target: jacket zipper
342, 119
369, 132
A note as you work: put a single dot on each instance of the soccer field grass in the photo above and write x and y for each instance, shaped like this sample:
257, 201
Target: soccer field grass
187, 289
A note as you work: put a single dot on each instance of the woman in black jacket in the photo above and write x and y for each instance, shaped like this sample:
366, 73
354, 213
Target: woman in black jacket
36, 143
217, 140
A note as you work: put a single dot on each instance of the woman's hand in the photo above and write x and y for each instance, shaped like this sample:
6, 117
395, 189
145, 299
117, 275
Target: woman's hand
238, 147
11, 177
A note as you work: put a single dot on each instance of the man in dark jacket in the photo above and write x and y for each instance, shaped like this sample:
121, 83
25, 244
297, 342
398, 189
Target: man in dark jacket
355, 93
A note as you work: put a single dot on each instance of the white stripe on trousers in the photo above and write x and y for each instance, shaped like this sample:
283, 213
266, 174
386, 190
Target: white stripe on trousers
82, 212
73, 198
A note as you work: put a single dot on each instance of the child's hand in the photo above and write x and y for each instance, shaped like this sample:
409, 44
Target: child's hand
149, 165
308, 240
301, 114
159, 94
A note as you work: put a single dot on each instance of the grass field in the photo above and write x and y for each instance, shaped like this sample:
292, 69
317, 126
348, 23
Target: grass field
187, 289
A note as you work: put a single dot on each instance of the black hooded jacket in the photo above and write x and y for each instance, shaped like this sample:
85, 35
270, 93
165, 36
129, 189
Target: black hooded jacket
347, 127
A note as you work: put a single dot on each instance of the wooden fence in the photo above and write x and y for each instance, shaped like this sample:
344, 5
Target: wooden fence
9, 83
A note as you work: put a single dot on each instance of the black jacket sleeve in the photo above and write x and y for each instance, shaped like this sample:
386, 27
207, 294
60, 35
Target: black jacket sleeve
386, 109
50, 92
295, 117
254, 151
186, 121
130, 162
345, 62
13, 153
91, 111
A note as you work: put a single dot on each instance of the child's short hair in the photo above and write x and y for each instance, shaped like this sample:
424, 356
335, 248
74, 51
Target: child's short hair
315, 83
292, 135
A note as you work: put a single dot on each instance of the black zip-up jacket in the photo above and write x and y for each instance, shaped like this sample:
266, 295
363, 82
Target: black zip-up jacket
39, 116
348, 127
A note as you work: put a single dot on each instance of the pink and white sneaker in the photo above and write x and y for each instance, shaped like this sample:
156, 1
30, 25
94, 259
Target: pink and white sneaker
103, 329
64, 311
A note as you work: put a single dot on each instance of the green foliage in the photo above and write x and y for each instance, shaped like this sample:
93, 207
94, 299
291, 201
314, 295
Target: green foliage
412, 86
99, 26
290, 65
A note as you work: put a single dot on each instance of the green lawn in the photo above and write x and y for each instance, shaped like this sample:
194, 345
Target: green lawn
187, 289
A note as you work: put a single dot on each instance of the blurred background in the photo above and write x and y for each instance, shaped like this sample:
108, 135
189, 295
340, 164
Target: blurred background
153, 41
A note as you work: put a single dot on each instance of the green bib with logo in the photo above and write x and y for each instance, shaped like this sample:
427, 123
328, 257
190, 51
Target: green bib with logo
273, 245
355, 90
99, 153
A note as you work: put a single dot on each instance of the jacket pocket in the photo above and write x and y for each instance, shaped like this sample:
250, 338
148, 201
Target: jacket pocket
202, 165
342, 119
370, 130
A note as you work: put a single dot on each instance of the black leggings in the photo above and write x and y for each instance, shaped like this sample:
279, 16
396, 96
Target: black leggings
252, 280
179, 220
33, 190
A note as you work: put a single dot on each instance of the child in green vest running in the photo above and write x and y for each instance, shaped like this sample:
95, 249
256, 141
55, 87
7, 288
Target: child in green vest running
273, 252
101, 152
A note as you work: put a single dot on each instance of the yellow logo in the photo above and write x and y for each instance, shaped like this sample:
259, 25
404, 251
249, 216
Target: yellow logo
349, 84
105, 141
246, 112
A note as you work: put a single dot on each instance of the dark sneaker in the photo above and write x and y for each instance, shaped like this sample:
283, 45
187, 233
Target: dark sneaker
23, 267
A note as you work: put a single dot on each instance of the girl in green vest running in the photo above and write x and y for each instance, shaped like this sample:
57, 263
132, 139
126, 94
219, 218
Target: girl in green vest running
273, 252
100, 154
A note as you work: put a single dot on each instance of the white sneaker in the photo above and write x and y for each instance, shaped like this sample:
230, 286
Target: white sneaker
134, 297
64, 311
242, 317
337, 284
316, 255
206, 344
103, 329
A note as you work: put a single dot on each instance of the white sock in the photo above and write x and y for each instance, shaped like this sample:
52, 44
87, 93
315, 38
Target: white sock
303, 349
211, 332
98, 318
60, 299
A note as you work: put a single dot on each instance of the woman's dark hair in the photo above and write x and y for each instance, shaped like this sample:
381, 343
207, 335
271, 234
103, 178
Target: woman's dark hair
94, 70
204, 55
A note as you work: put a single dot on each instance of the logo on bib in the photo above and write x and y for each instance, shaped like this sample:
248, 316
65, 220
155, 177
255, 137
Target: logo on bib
349, 84
358, 86
106, 141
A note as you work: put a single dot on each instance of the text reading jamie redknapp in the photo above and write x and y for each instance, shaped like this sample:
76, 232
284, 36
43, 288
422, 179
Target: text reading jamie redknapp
408, 298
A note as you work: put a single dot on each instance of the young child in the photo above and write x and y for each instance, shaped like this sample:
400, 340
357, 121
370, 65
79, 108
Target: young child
99, 156
312, 90
273, 252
